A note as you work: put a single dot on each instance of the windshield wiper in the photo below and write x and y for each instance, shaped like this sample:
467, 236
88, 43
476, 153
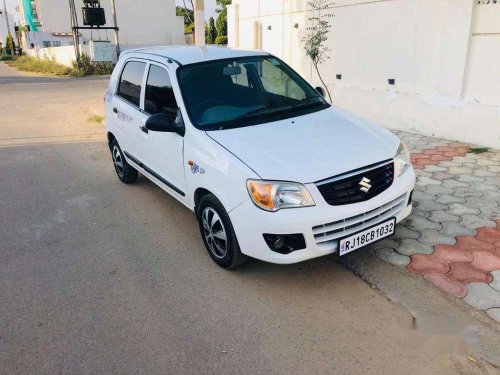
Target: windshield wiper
307, 102
264, 111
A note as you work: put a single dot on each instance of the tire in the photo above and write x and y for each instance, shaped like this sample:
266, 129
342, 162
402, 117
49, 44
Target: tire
213, 219
125, 172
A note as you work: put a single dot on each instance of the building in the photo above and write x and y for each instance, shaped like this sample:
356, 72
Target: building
141, 23
3, 27
426, 66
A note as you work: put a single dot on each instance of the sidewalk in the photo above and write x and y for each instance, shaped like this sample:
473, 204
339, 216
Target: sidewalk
452, 238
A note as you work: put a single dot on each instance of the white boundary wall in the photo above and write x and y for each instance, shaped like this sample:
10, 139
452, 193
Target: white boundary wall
443, 54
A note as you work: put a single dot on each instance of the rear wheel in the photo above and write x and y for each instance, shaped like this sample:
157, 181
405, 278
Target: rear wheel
218, 234
125, 172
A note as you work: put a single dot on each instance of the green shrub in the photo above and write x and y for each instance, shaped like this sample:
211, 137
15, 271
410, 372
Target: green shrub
5, 58
85, 66
221, 39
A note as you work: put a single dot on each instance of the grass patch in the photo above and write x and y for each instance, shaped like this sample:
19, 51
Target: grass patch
44, 66
96, 118
5, 58
478, 150
48, 66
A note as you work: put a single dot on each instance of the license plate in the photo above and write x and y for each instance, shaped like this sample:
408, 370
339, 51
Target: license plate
367, 236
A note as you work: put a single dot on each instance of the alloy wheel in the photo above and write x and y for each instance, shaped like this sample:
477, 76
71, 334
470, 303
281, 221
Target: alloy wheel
118, 161
214, 232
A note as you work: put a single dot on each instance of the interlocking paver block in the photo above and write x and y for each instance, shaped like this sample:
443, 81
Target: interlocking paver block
490, 235
411, 247
437, 189
420, 196
441, 176
442, 217
453, 184
435, 168
455, 230
460, 171
460, 210
432, 237
482, 296
428, 205
483, 173
466, 273
419, 223
472, 244
466, 178
468, 192
449, 199
403, 232
474, 222
386, 243
486, 261
422, 264
448, 254
449, 286
495, 284
392, 257
425, 181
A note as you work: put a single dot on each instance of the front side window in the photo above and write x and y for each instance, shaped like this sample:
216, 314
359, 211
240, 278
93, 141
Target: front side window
130, 82
245, 91
160, 96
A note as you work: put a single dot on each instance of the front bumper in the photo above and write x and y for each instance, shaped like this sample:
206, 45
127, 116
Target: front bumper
321, 225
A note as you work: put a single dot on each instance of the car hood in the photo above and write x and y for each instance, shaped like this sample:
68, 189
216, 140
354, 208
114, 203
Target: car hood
309, 148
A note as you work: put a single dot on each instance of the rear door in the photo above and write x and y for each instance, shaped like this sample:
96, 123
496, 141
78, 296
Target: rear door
126, 106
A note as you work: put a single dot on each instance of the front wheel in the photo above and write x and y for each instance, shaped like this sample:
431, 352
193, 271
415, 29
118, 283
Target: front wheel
218, 234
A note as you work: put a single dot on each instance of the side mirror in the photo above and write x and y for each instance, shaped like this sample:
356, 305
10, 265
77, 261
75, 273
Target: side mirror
166, 123
321, 91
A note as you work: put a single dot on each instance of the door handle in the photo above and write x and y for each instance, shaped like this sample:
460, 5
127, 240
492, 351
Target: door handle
115, 110
144, 129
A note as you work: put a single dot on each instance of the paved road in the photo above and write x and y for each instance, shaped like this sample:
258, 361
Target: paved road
99, 277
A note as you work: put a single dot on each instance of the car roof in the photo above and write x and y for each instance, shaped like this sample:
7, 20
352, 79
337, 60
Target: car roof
185, 55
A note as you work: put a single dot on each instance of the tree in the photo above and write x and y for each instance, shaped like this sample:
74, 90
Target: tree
222, 21
10, 47
212, 31
315, 41
188, 15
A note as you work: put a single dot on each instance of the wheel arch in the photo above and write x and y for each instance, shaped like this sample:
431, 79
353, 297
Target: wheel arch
111, 137
198, 195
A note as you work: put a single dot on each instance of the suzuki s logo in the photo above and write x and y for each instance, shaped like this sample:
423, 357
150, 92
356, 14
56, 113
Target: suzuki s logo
365, 185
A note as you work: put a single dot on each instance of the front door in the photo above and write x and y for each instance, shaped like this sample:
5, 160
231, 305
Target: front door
164, 152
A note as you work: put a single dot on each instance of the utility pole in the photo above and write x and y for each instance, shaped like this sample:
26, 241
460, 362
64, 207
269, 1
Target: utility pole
199, 22
6, 17
74, 30
117, 40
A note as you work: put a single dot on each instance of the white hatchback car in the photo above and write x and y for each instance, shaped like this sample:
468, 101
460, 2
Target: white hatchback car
271, 170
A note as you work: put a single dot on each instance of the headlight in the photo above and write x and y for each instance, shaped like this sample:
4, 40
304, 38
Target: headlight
401, 160
275, 195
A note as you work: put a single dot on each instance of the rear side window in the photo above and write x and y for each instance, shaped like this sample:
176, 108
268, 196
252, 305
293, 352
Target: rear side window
160, 96
130, 82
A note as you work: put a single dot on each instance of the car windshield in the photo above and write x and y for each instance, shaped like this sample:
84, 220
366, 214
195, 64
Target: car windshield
245, 91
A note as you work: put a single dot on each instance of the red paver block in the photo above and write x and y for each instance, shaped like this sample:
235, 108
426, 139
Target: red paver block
422, 264
485, 261
420, 156
438, 157
466, 273
473, 244
447, 285
448, 254
458, 145
429, 152
490, 235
